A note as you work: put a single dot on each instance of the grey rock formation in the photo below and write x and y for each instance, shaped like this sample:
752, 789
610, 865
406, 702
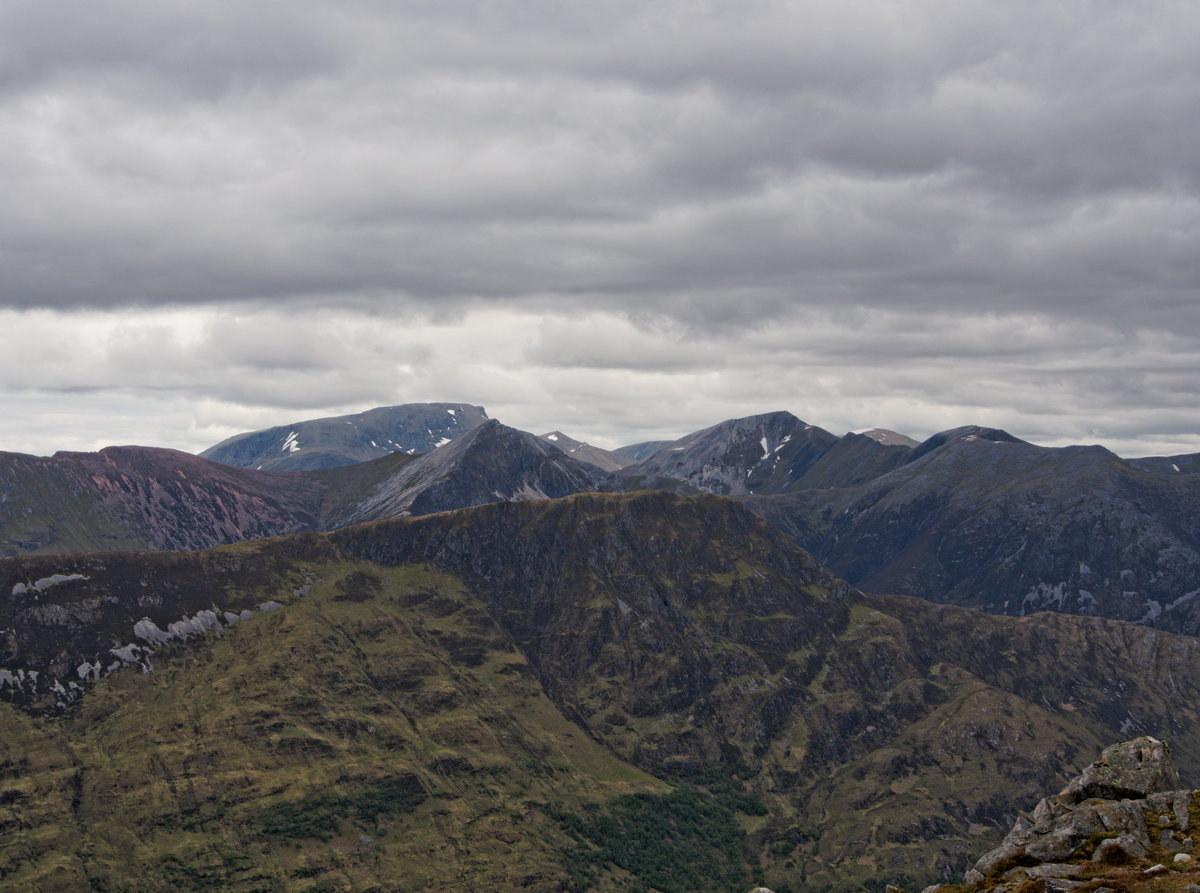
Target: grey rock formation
1099, 816
758, 454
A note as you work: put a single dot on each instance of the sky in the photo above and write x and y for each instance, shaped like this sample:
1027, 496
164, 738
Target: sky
622, 220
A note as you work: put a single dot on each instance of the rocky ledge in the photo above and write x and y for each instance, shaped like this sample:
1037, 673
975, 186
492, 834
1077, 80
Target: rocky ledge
1125, 824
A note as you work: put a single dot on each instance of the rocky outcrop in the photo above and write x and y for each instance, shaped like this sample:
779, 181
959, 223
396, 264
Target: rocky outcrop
1125, 814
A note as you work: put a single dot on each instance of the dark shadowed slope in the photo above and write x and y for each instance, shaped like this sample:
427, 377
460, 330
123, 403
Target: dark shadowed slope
982, 519
490, 463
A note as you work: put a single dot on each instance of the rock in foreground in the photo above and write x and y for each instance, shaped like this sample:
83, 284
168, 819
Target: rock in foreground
1125, 823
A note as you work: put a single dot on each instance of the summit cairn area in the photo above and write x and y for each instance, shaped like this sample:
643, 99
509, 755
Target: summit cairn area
1124, 824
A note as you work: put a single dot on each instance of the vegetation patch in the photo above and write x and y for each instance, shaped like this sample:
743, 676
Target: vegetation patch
682, 841
318, 815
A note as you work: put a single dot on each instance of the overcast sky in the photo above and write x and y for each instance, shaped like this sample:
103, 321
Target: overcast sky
624, 220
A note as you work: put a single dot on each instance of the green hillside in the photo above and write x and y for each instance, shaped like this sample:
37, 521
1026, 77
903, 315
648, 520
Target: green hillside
599, 692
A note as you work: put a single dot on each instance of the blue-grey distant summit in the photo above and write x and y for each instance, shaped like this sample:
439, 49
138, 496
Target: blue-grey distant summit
349, 439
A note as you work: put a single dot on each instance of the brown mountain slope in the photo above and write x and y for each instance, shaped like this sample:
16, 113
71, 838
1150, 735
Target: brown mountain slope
850, 738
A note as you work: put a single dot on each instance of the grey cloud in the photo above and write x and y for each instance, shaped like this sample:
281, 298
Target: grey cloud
976, 201
411, 155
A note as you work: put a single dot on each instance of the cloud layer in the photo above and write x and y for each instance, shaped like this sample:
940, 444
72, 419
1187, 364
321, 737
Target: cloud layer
619, 218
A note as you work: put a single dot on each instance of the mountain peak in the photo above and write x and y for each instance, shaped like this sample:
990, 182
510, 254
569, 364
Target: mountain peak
585, 452
345, 440
888, 437
966, 433
490, 463
763, 453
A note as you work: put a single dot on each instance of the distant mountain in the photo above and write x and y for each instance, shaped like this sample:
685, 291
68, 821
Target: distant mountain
771, 453
596, 692
977, 517
1185, 464
605, 460
853, 459
889, 438
143, 498
344, 440
639, 451
762, 453
971, 516
490, 463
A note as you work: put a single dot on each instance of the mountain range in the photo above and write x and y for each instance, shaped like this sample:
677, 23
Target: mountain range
972, 516
600, 691
494, 665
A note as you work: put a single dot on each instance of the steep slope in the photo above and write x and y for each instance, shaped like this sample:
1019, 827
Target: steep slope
380, 732
855, 459
143, 498
490, 463
410, 684
977, 517
344, 440
605, 460
636, 452
685, 636
757, 454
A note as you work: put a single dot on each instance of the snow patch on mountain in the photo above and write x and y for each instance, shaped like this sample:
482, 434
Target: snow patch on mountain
45, 583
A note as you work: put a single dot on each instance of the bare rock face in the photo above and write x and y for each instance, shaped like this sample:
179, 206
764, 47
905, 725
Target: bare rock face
1126, 771
1099, 817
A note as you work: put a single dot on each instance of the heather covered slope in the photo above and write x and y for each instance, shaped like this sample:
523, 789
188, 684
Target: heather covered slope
143, 498
522, 660
381, 731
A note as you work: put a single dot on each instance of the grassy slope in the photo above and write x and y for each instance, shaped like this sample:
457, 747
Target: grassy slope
888, 738
291, 754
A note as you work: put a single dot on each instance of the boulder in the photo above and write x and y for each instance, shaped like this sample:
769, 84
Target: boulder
1107, 800
1128, 771
1119, 850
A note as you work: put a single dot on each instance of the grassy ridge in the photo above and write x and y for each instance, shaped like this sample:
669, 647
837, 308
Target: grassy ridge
380, 731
